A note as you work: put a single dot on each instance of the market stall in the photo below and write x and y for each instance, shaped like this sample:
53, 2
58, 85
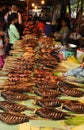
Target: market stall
35, 93
33, 74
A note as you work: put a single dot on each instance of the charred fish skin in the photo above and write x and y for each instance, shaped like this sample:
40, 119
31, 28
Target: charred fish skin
18, 89
71, 92
51, 113
47, 86
15, 96
49, 102
68, 84
13, 118
47, 93
11, 106
76, 107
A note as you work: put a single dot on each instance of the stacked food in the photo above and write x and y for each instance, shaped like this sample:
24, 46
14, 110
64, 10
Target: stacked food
30, 76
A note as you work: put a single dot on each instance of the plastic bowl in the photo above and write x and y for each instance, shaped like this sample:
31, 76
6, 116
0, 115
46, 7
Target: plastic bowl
73, 46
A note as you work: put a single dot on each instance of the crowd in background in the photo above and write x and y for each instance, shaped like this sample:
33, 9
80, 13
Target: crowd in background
11, 29
66, 28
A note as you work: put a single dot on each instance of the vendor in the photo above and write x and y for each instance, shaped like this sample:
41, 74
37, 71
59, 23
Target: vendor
40, 25
63, 34
79, 20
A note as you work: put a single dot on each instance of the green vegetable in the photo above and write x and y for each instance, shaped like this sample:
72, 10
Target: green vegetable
57, 73
78, 120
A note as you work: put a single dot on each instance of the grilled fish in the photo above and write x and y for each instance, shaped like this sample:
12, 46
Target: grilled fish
19, 88
15, 96
68, 84
71, 91
47, 86
74, 106
49, 102
51, 113
13, 118
11, 106
47, 93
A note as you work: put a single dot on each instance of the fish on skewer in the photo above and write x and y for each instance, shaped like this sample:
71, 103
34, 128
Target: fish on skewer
18, 88
13, 118
51, 113
74, 106
15, 96
71, 91
47, 86
12, 106
52, 102
47, 93
68, 84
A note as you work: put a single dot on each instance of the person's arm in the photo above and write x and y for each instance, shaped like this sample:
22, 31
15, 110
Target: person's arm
66, 34
1, 43
19, 18
6, 17
58, 35
2, 33
82, 65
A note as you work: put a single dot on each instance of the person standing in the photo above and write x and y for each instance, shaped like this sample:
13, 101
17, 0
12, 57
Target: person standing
19, 24
13, 32
64, 32
40, 25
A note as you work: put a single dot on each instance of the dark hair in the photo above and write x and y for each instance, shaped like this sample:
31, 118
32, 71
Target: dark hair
67, 21
12, 17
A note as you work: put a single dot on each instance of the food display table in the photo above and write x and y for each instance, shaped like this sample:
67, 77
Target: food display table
38, 123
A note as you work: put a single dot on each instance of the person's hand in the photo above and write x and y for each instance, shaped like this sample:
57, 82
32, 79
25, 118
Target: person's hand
1, 33
57, 35
82, 65
6, 40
